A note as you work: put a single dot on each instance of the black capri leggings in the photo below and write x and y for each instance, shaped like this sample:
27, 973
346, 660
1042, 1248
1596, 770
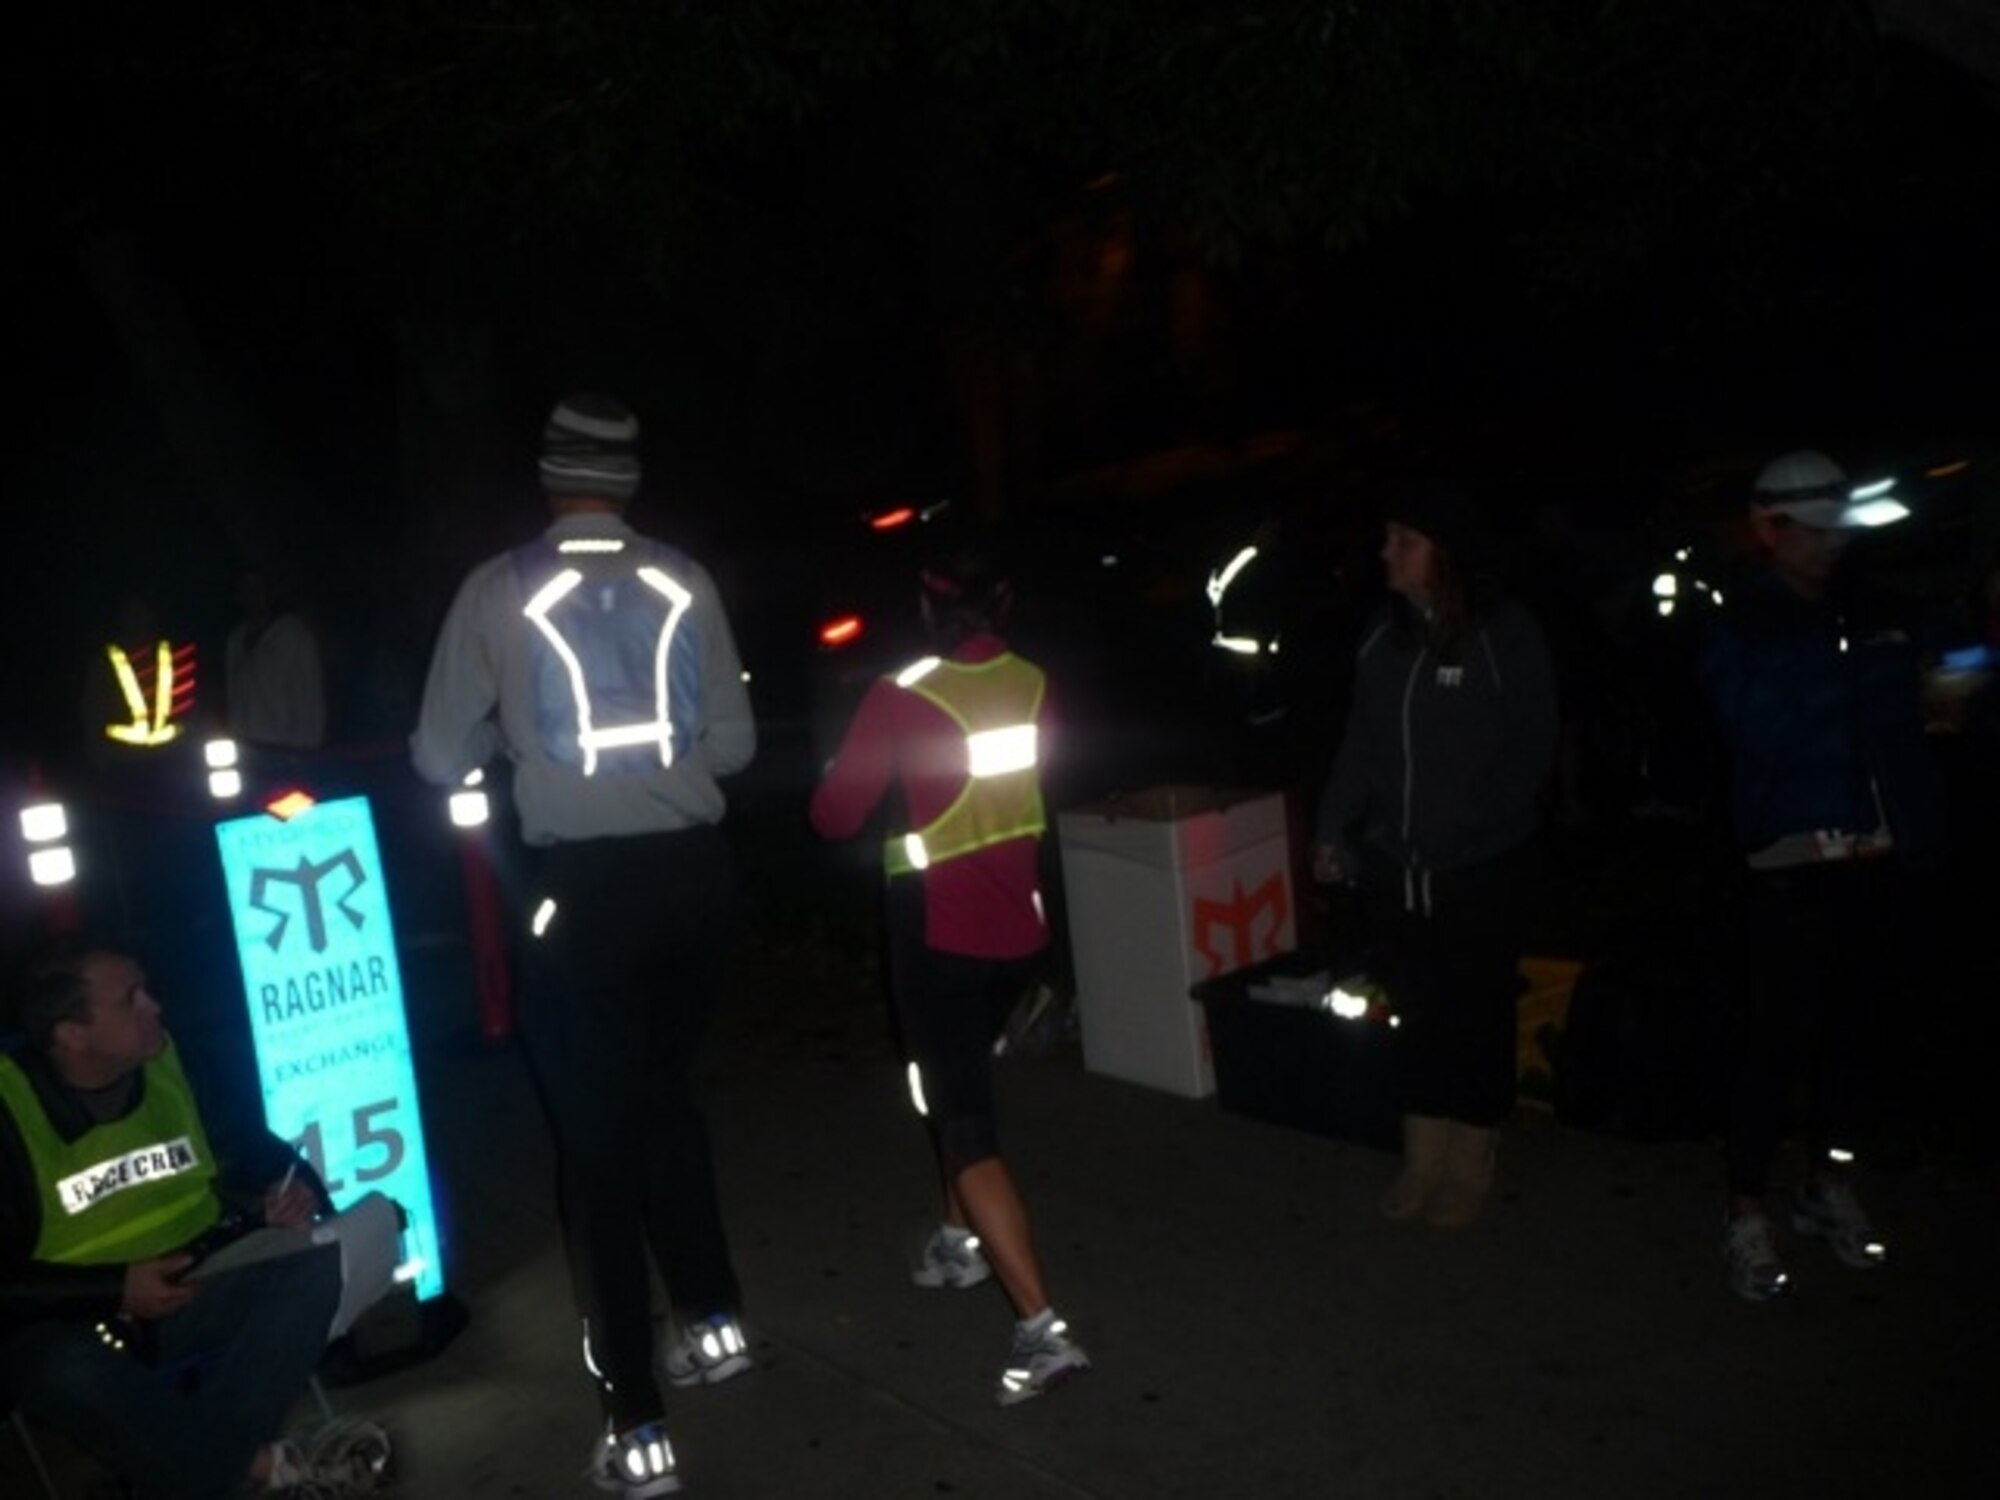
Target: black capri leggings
949, 1009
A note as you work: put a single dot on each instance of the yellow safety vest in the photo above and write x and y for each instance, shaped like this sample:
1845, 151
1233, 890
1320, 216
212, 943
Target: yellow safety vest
156, 693
995, 704
125, 1190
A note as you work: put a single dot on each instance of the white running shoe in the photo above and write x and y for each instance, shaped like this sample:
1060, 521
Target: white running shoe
951, 1260
1826, 1209
1756, 1274
708, 1352
635, 1465
1042, 1357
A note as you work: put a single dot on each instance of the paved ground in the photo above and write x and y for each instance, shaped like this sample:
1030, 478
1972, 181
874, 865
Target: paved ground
1258, 1330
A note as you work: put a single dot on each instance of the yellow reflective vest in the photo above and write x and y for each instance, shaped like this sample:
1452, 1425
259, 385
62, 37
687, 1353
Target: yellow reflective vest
127, 1189
995, 704
156, 688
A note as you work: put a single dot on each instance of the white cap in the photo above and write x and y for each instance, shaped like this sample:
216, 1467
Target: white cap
1810, 488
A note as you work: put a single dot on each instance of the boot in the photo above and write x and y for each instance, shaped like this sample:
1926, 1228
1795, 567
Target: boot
1424, 1140
1467, 1176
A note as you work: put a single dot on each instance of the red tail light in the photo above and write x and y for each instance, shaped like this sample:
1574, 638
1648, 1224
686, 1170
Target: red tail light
889, 520
840, 632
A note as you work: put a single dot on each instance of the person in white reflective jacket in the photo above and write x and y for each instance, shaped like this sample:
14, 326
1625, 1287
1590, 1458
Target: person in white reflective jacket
601, 664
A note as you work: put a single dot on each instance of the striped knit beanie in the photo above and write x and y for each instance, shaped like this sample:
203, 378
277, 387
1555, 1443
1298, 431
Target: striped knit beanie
590, 448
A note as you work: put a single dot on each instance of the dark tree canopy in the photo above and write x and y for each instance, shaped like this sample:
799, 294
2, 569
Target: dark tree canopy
526, 123
1655, 176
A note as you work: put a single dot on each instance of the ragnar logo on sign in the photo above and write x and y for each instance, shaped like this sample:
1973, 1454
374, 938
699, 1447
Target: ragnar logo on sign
307, 878
154, 1163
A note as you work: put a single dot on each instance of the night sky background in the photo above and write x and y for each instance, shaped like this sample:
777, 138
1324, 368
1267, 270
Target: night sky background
300, 288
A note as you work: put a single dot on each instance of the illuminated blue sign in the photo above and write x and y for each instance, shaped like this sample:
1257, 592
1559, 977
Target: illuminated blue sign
318, 952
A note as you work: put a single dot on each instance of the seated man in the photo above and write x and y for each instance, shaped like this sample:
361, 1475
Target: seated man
107, 1177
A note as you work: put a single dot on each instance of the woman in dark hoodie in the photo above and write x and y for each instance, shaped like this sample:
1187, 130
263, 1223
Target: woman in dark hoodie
1431, 809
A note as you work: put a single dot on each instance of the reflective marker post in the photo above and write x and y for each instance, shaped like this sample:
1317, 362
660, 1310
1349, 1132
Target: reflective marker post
317, 948
491, 979
51, 860
471, 812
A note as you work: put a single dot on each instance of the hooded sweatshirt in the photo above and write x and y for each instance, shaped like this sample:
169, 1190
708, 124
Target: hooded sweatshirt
1444, 755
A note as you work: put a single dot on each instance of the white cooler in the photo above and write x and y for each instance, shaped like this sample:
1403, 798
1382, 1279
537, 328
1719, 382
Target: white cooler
1165, 888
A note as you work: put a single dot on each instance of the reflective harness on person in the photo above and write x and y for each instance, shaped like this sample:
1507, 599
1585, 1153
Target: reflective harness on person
617, 681
995, 704
126, 1189
157, 689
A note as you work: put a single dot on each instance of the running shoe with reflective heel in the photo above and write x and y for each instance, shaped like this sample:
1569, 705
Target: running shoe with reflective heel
1826, 1209
1756, 1274
636, 1465
708, 1352
951, 1260
1043, 1356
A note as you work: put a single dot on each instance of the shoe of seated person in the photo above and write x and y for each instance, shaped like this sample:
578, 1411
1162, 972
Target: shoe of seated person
637, 1464
708, 1352
344, 1460
289, 1476
353, 1454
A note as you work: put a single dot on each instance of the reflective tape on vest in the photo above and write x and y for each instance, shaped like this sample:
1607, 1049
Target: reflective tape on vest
996, 752
591, 737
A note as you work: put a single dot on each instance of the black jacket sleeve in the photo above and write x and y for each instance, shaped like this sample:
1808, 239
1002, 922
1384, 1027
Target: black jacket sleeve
34, 1291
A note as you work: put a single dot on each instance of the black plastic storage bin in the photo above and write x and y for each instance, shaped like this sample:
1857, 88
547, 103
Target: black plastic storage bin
1301, 1065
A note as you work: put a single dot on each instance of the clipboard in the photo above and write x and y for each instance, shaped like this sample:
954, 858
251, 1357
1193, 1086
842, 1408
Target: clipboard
368, 1232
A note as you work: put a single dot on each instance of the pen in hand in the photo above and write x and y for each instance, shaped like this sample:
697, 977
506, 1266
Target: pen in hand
274, 1201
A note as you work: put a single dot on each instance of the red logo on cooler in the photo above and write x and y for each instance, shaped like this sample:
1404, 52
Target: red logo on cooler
1253, 922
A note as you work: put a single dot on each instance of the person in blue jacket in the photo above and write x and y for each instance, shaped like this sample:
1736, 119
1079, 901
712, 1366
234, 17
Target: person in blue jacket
1432, 809
1816, 691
